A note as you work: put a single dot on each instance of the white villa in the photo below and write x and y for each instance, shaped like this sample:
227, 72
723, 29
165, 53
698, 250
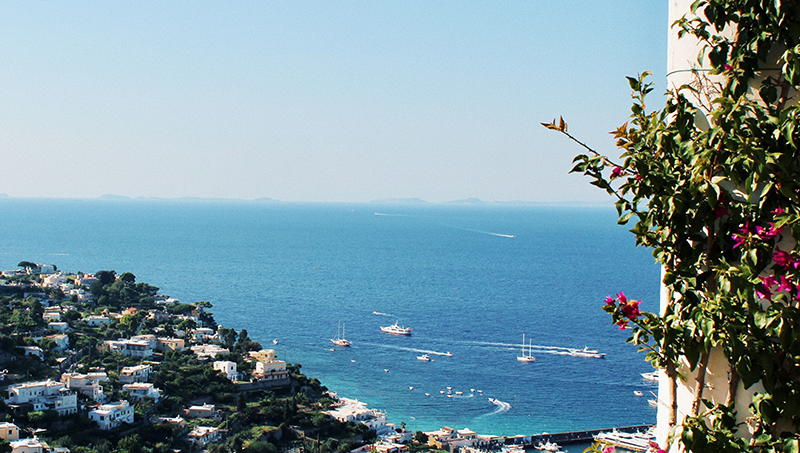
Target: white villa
452, 439
109, 416
203, 334
86, 384
208, 350
138, 373
349, 410
203, 435
228, 369
130, 347
140, 390
43, 395
29, 445
96, 320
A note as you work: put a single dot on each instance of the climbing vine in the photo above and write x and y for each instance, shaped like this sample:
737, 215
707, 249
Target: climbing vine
711, 183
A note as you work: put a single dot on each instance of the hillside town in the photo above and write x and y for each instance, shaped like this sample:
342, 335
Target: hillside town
100, 363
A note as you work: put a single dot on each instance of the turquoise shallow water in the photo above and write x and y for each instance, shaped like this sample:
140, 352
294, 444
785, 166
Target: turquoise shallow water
469, 280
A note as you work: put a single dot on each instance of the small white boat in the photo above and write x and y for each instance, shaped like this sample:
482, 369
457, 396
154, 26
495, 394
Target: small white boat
427, 394
652, 403
586, 352
275, 341
395, 329
525, 357
652, 376
459, 393
548, 446
441, 391
339, 340
411, 388
472, 390
424, 358
638, 393
448, 354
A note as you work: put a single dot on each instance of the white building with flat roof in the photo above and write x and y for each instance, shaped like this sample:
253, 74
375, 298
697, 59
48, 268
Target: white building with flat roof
208, 350
86, 384
349, 410
138, 373
141, 390
203, 435
29, 445
43, 395
112, 415
131, 347
227, 368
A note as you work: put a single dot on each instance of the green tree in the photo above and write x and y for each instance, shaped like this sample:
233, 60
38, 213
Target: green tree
106, 277
713, 190
130, 444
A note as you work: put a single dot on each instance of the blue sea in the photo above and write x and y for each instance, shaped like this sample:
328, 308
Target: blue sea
470, 280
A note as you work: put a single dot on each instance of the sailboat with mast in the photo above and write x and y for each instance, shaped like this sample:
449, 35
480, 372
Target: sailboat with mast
340, 340
526, 357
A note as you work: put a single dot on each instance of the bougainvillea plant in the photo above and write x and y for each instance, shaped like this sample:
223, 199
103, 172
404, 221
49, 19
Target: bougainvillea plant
711, 183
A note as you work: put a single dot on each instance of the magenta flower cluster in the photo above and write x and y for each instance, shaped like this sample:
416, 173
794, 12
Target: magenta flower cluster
771, 284
628, 307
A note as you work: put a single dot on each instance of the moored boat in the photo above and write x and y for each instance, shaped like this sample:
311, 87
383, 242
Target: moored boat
340, 340
548, 446
629, 441
424, 358
651, 376
396, 329
525, 357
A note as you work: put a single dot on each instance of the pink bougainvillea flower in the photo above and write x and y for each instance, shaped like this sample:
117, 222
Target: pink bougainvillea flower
768, 233
785, 284
622, 298
609, 449
609, 300
721, 209
631, 309
728, 67
622, 324
785, 259
654, 448
779, 211
766, 286
616, 172
743, 234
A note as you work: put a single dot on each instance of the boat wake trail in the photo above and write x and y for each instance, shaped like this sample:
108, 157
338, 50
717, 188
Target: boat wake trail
501, 406
501, 235
541, 349
381, 314
401, 348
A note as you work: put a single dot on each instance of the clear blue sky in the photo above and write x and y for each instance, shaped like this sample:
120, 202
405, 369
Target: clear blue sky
316, 101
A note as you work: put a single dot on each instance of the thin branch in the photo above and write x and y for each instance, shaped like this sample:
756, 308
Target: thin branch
700, 383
